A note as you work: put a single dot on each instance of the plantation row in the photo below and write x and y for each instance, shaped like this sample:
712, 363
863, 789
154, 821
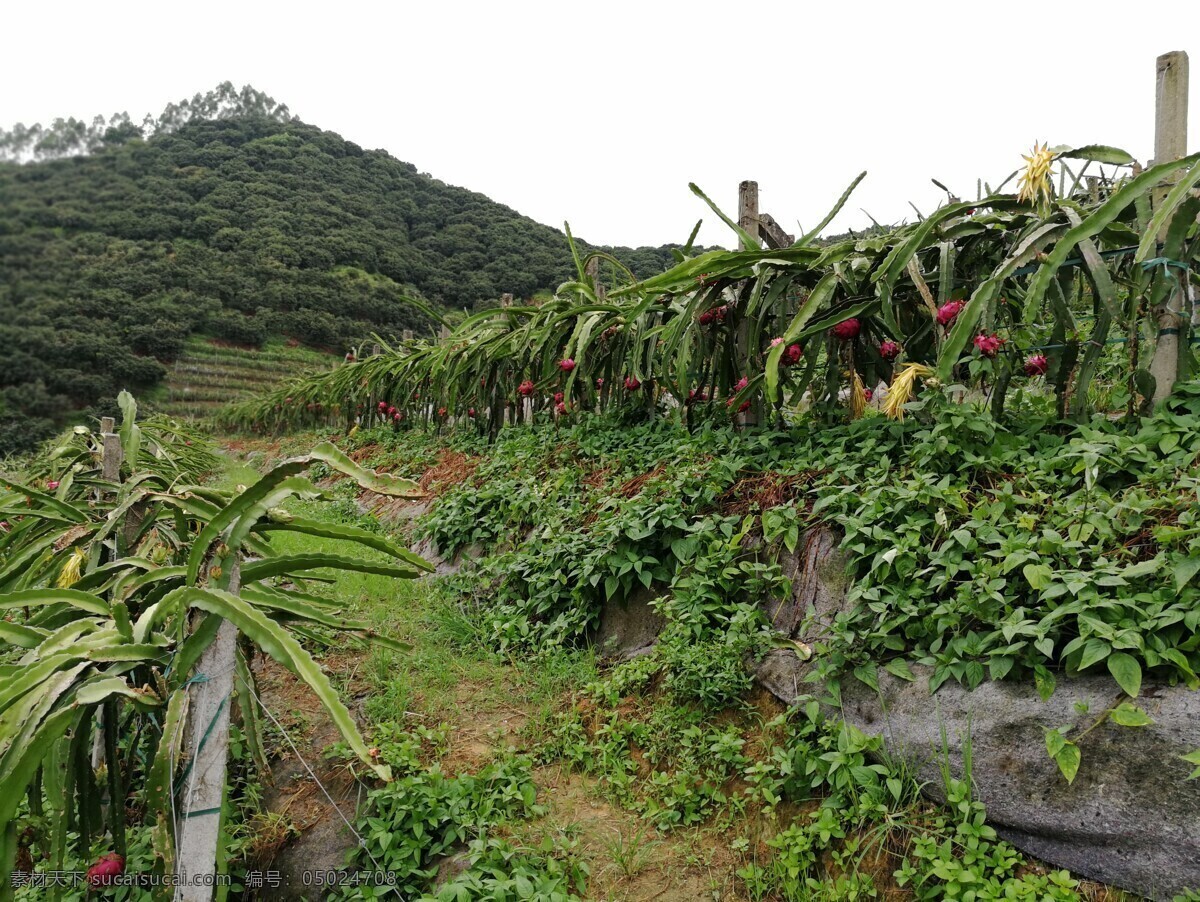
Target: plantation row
1064, 289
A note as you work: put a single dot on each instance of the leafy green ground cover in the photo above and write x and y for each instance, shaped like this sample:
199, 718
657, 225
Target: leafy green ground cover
795, 801
982, 549
988, 551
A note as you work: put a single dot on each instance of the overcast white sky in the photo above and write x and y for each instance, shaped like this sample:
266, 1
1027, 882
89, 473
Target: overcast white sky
601, 113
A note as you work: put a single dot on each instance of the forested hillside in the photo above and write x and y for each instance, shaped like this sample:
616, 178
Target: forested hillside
227, 216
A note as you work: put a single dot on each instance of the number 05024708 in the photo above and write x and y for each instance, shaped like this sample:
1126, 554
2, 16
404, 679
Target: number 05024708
348, 878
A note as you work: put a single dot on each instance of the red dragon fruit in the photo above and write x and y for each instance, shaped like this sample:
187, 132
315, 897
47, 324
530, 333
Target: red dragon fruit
51, 485
441, 411
632, 384
471, 412
847, 329
706, 318
526, 388
1036, 365
948, 311
106, 870
738, 386
561, 409
791, 355
566, 364
889, 350
558, 397
989, 345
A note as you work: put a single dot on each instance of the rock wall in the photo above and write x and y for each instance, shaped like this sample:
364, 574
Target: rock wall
1131, 818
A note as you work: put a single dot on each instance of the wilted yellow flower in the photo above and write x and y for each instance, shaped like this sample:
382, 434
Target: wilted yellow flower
69, 574
858, 396
1035, 183
901, 390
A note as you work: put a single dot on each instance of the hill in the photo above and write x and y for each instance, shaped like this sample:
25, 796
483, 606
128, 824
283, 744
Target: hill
228, 217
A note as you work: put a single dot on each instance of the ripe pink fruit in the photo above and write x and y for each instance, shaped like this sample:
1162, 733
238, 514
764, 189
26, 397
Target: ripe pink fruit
706, 318
948, 311
889, 350
632, 384
560, 408
558, 397
847, 329
599, 382
526, 388
471, 412
566, 364
1036, 365
51, 485
441, 411
791, 355
103, 872
383, 405
988, 345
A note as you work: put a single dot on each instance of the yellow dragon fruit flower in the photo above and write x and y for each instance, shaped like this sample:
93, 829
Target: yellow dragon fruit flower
1035, 184
69, 574
858, 396
901, 390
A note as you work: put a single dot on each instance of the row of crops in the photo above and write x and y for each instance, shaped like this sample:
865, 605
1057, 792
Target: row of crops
1072, 285
114, 580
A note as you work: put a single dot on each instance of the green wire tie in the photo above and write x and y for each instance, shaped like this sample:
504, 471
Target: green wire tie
1165, 262
204, 738
202, 812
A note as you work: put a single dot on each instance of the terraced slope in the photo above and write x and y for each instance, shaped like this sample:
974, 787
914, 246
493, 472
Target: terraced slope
210, 374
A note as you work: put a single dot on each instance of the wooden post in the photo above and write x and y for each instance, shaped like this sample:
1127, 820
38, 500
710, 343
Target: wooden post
1170, 143
444, 332
407, 335
206, 742
748, 211
592, 269
110, 469
748, 220
506, 300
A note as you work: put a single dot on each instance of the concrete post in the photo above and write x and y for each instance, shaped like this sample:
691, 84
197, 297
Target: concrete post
206, 745
1170, 143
